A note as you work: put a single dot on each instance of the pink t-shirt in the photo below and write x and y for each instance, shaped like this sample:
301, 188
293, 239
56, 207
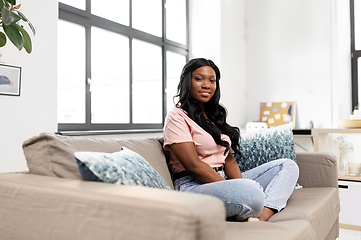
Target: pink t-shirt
180, 128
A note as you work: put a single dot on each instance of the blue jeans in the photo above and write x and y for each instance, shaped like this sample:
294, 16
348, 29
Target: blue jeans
269, 185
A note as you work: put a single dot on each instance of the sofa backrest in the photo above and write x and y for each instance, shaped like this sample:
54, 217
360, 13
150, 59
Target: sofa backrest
53, 154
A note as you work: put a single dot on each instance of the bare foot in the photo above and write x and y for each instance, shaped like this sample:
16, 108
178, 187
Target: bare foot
266, 214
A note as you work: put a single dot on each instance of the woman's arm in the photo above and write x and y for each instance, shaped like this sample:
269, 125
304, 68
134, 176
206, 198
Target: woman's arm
231, 167
186, 153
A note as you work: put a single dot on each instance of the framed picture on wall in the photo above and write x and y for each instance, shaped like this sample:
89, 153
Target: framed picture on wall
10, 79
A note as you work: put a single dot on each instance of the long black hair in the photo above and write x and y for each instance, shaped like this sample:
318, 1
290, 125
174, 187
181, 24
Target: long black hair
215, 112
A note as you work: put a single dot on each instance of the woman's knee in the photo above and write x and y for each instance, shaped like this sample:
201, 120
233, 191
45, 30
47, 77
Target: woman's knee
241, 196
250, 194
291, 167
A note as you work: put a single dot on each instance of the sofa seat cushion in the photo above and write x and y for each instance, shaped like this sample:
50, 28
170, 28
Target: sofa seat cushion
53, 154
290, 230
310, 214
319, 206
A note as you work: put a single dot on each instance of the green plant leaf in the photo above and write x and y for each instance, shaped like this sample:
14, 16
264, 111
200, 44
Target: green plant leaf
25, 19
13, 2
2, 3
2, 39
14, 35
26, 39
31, 27
9, 17
6, 4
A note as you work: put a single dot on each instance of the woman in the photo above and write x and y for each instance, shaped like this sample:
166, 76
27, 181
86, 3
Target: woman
200, 143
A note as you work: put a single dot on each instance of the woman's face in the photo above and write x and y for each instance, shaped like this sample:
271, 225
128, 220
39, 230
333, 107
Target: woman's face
203, 84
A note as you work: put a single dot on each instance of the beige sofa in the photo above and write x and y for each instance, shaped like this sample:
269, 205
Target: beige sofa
53, 202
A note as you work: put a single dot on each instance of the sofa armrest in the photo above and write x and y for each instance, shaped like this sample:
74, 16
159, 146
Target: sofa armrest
40, 207
317, 169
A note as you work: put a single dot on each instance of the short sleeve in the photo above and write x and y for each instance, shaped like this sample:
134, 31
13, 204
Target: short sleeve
176, 130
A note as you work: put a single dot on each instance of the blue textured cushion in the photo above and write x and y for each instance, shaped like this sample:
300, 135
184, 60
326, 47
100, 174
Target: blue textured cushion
266, 145
124, 167
86, 174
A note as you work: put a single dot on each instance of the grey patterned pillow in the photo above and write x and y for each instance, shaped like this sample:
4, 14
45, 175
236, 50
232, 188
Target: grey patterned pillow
124, 167
264, 146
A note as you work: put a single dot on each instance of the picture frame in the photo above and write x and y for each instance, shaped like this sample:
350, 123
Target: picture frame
10, 80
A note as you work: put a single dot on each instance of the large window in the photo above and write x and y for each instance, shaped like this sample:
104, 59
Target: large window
119, 63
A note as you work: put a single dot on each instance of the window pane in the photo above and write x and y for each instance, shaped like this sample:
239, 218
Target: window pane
71, 73
176, 21
147, 83
175, 64
115, 10
147, 16
358, 24
110, 77
75, 3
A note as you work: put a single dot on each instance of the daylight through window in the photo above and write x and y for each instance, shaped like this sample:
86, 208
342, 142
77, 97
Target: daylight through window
119, 64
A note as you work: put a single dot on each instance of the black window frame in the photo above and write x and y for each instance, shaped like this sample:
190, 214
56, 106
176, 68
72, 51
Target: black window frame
86, 19
355, 54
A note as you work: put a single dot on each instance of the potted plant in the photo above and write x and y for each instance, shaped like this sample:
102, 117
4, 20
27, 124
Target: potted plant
10, 21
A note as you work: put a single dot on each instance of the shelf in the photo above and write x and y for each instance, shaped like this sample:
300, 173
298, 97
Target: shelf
338, 130
350, 227
350, 178
321, 136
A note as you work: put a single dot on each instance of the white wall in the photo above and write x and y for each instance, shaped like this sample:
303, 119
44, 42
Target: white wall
217, 33
233, 61
35, 110
205, 30
297, 51
340, 61
277, 50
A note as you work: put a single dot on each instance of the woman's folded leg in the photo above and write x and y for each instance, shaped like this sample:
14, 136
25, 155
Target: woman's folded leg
243, 198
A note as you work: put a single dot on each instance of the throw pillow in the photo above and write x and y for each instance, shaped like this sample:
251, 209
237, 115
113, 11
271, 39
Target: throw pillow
266, 145
124, 167
85, 173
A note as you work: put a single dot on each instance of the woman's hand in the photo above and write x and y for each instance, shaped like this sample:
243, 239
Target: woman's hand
231, 167
186, 153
